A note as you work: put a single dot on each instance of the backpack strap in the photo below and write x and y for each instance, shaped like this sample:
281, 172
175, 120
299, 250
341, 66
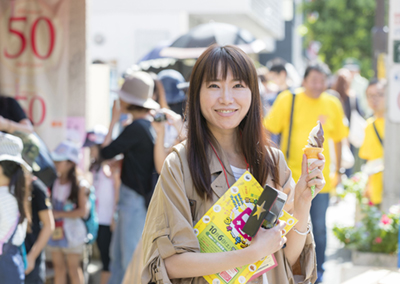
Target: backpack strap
290, 126
377, 133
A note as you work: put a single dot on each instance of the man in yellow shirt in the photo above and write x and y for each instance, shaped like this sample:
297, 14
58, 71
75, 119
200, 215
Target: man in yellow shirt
372, 148
310, 105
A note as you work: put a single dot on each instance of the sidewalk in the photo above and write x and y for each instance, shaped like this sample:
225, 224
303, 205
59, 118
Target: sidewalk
338, 265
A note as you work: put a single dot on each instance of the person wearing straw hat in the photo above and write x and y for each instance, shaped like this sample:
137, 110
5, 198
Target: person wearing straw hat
136, 142
14, 214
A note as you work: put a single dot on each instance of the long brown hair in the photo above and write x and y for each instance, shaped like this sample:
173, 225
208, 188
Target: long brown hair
73, 177
254, 145
342, 84
17, 187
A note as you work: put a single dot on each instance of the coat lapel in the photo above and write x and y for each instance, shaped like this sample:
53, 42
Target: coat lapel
218, 180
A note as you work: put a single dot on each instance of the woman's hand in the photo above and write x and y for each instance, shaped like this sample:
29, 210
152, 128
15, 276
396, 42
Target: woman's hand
57, 214
116, 111
174, 119
268, 241
303, 196
4, 124
159, 128
31, 264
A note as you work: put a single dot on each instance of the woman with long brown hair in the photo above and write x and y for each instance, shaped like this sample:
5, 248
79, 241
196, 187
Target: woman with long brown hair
225, 137
14, 212
69, 198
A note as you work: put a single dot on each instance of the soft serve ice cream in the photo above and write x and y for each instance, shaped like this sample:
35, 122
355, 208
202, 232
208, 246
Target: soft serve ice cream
314, 147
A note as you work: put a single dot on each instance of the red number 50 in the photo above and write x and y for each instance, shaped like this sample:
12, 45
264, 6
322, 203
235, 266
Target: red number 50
22, 38
30, 109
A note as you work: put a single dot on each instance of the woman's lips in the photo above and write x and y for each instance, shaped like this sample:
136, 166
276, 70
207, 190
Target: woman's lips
226, 112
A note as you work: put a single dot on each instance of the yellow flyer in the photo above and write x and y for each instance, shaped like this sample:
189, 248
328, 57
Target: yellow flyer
220, 230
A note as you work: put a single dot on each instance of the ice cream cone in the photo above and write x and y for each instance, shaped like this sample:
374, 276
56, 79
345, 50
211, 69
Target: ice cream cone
312, 152
312, 156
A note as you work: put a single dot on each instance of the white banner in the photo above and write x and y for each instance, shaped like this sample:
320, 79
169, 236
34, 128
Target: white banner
34, 62
393, 102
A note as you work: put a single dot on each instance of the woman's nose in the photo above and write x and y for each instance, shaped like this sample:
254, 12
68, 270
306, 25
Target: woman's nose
226, 96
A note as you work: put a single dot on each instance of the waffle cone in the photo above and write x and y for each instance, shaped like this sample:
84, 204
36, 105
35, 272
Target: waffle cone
312, 152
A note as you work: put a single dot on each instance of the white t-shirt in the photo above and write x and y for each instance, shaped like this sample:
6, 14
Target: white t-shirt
8, 218
104, 188
237, 173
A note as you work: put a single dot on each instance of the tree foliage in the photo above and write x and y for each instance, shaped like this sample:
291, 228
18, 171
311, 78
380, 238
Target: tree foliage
343, 27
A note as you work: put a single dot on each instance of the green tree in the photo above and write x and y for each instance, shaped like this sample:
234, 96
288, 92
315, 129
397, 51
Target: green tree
343, 27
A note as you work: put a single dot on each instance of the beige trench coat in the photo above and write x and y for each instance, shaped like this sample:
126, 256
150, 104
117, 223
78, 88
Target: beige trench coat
176, 207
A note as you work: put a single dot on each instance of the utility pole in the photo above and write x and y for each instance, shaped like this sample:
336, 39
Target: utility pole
391, 176
379, 35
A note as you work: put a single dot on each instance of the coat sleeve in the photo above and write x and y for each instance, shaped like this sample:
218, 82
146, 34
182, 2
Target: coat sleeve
304, 271
168, 229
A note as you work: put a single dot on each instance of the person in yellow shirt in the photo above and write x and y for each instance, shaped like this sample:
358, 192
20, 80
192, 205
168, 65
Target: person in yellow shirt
372, 148
311, 104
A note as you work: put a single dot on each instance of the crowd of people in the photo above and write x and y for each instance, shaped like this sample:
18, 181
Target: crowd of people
167, 167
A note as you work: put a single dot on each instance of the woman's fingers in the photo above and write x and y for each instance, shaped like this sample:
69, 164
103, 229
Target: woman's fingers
320, 164
315, 174
304, 165
319, 183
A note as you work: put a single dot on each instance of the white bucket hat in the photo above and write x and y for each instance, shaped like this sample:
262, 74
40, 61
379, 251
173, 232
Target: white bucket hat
66, 151
11, 149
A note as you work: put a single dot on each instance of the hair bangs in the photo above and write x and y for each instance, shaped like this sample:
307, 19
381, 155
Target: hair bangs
221, 60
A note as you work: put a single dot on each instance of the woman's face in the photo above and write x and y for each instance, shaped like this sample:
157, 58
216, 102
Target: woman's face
124, 106
376, 98
63, 167
224, 103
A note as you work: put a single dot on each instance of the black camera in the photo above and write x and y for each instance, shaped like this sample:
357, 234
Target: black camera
266, 211
160, 117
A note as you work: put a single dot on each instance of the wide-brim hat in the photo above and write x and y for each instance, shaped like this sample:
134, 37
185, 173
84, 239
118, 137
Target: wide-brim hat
11, 149
138, 90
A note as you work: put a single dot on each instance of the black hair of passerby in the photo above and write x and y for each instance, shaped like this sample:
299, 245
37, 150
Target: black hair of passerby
278, 68
373, 81
319, 67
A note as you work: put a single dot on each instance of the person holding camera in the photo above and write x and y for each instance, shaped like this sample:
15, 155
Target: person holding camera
225, 137
136, 142
168, 123
169, 128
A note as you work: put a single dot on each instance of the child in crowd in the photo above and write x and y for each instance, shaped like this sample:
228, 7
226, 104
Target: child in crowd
70, 205
372, 148
14, 212
42, 224
106, 181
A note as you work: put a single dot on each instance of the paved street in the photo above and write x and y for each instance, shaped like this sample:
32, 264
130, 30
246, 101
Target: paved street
336, 256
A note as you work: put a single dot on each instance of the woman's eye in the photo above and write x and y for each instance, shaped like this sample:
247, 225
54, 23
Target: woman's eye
213, 86
239, 86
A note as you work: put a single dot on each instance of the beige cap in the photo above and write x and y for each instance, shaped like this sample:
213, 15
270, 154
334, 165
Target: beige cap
138, 90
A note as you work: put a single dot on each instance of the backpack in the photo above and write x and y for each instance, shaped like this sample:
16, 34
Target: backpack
92, 221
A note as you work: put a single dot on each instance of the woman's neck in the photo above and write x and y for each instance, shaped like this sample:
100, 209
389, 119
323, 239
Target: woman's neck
229, 143
4, 181
139, 114
379, 114
63, 179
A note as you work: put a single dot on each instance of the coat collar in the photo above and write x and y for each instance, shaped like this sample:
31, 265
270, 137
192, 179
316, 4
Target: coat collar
218, 184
